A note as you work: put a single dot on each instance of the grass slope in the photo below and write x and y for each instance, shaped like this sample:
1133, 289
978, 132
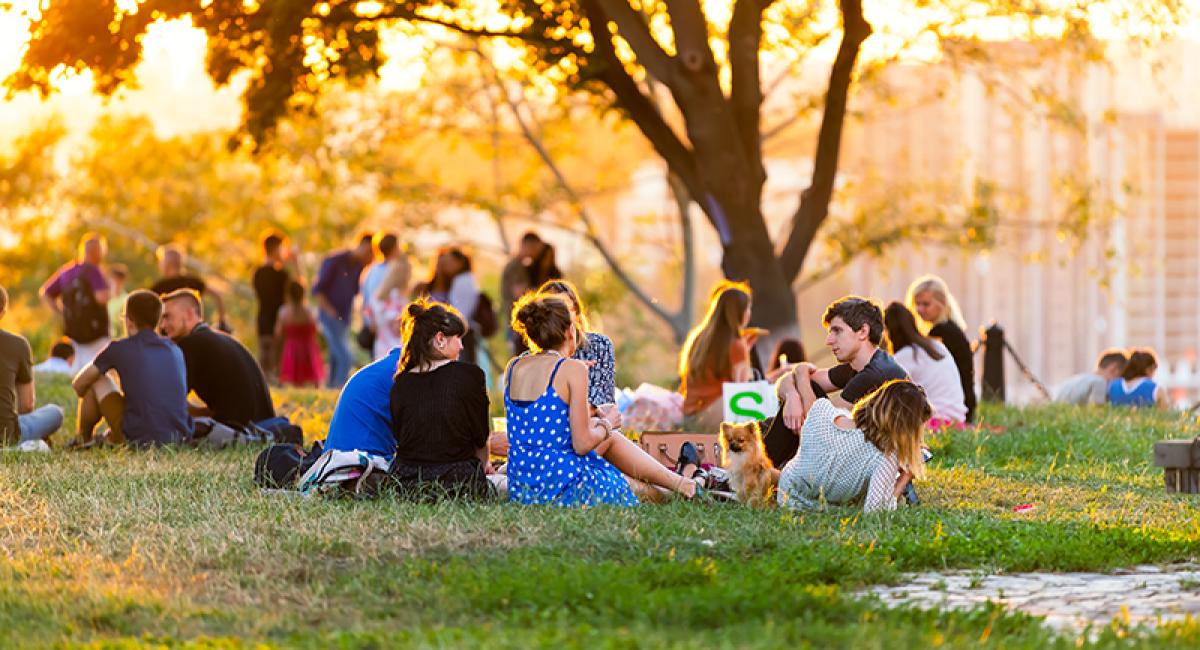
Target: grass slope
176, 548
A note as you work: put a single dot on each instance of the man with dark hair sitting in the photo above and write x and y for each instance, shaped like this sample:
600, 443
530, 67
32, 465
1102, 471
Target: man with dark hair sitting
855, 329
1092, 387
62, 355
19, 419
220, 370
152, 410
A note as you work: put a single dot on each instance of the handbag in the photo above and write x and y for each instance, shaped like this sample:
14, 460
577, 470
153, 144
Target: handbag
664, 446
365, 338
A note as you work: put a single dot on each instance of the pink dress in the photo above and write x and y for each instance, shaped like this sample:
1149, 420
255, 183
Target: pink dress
301, 363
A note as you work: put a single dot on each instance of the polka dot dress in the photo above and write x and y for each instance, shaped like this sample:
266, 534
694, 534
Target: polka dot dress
543, 467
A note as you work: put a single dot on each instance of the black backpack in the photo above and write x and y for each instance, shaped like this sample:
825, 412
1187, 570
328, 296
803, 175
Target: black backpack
485, 316
84, 319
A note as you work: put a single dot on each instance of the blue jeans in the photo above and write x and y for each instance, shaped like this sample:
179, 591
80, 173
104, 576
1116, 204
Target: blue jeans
40, 423
337, 337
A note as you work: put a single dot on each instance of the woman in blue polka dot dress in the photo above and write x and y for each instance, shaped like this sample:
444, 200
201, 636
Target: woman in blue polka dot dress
558, 453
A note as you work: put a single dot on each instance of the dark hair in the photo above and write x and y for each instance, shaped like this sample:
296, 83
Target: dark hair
271, 242
790, 349
62, 349
436, 280
543, 320
145, 308
365, 239
190, 296
423, 320
1113, 357
531, 237
902, 331
3, 300
1141, 360
855, 312
295, 292
119, 271
544, 267
386, 243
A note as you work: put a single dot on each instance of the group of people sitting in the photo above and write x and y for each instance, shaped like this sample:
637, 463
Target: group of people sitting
1121, 379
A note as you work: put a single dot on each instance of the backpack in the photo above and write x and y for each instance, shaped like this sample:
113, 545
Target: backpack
84, 319
485, 316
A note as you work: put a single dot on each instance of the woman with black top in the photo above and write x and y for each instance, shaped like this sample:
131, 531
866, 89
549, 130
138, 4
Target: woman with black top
938, 316
439, 408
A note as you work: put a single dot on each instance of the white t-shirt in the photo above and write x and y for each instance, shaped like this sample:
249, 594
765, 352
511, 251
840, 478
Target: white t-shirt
939, 378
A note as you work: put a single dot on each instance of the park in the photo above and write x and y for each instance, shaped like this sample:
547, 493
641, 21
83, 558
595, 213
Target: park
743, 324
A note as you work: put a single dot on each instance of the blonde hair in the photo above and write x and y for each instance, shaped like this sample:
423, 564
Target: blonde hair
893, 418
706, 350
941, 293
399, 274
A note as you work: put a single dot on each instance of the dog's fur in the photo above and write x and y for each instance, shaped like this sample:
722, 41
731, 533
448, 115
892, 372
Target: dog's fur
751, 474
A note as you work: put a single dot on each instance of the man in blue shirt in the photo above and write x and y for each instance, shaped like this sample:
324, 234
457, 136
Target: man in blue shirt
362, 418
153, 408
337, 285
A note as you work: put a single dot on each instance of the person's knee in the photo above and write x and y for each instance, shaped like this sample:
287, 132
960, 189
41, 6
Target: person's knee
54, 415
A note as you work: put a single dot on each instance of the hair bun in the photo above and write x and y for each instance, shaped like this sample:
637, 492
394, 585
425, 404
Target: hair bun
416, 308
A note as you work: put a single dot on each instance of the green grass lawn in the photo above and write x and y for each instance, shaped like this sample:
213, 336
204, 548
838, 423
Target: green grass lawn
178, 548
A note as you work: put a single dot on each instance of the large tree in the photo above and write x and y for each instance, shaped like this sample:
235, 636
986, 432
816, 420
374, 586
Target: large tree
688, 74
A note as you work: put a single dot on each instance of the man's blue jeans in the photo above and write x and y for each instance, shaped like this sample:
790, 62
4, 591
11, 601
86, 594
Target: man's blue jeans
41, 423
337, 337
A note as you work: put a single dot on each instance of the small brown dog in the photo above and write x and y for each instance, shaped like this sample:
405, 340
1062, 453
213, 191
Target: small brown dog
751, 474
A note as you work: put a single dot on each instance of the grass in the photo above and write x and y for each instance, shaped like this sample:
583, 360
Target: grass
175, 548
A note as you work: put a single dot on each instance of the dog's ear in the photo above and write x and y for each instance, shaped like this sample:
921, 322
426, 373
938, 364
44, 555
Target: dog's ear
725, 427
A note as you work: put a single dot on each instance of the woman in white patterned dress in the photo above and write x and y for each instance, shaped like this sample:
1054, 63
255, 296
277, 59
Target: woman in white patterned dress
866, 457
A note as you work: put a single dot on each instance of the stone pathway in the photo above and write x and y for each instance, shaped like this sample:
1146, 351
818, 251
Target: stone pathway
1068, 601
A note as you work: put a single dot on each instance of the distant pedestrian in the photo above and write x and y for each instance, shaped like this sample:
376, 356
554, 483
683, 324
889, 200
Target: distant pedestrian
515, 281
337, 285
1092, 387
171, 262
387, 305
118, 275
270, 283
387, 251
78, 294
938, 316
453, 283
296, 329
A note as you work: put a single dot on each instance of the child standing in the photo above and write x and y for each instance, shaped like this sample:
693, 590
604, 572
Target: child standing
296, 326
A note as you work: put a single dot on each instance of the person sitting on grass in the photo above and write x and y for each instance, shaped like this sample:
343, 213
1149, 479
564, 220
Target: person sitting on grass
362, 416
1137, 387
560, 454
867, 456
594, 349
151, 407
439, 408
62, 356
1092, 387
19, 420
928, 363
855, 329
220, 370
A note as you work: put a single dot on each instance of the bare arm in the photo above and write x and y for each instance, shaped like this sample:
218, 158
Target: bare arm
324, 305
743, 372
52, 303
585, 435
84, 380
837, 401
220, 300
25, 398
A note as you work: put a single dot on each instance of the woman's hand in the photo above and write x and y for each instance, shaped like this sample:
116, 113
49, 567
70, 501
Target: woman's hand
609, 412
498, 443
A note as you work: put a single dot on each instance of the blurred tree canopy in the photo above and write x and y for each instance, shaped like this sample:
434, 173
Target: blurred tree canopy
688, 75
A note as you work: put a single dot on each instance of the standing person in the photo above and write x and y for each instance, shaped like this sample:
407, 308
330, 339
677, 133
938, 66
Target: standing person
337, 285
867, 456
19, 419
118, 275
938, 315
439, 406
560, 454
150, 408
515, 281
223, 373
1137, 387
453, 283
927, 362
171, 261
387, 250
387, 304
544, 267
270, 284
78, 294
1092, 387
296, 329
855, 329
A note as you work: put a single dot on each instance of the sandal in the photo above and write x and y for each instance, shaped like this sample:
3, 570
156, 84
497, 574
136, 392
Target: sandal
688, 455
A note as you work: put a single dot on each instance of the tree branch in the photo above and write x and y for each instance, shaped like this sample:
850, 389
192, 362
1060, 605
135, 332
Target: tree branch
631, 26
814, 201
